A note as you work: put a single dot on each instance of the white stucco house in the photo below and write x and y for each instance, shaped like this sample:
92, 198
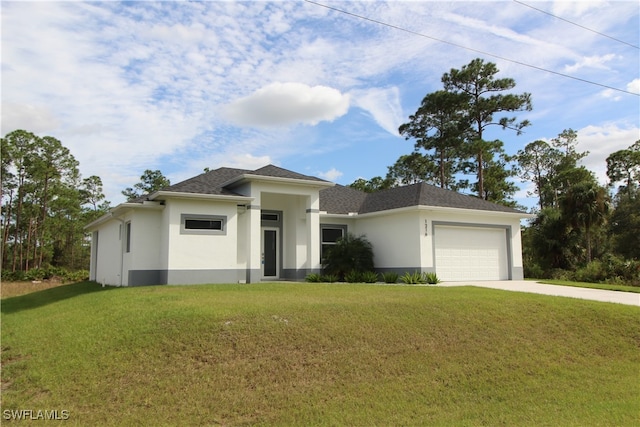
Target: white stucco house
233, 225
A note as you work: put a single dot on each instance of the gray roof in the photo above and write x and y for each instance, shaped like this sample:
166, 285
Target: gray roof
420, 194
214, 182
339, 199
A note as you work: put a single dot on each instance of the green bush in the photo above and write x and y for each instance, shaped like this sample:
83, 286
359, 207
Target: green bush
593, 272
369, 277
348, 254
313, 278
353, 277
45, 274
430, 278
329, 278
390, 277
412, 279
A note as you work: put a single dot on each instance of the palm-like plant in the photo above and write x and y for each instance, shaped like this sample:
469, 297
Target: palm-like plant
586, 205
350, 253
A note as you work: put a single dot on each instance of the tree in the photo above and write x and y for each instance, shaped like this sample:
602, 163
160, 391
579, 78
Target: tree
552, 242
369, 186
410, 169
92, 193
438, 128
586, 205
499, 189
150, 182
483, 99
42, 204
624, 226
537, 162
624, 166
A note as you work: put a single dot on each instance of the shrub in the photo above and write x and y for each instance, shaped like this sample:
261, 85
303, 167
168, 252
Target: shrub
349, 253
534, 271
59, 273
412, 279
369, 277
329, 278
390, 277
593, 272
313, 278
353, 277
430, 278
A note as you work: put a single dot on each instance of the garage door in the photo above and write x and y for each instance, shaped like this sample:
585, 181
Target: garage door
471, 253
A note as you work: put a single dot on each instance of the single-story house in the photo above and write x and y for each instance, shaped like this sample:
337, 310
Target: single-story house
234, 225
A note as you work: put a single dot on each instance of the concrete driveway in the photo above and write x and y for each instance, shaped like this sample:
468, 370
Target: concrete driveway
627, 298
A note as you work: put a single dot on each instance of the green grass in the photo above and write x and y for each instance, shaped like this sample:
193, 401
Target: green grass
605, 286
320, 354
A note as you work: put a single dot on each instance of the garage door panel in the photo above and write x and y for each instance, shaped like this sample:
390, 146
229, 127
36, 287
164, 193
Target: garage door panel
470, 253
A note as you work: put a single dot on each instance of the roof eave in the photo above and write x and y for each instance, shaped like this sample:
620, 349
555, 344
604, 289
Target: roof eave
465, 211
120, 210
295, 181
184, 195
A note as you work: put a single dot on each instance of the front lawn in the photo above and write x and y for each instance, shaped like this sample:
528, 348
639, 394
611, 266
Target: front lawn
319, 354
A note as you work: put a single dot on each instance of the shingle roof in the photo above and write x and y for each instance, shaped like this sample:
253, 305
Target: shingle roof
420, 194
209, 182
274, 171
339, 199
213, 182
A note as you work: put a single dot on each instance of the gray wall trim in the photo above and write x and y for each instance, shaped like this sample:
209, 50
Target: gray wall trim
147, 277
253, 275
510, 269
313, 210
183, 277
298, 274
256, 207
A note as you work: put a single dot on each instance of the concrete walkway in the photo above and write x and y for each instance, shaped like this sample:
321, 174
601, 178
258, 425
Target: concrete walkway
628, 298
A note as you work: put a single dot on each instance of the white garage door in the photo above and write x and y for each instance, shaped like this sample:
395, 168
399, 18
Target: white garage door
471, 253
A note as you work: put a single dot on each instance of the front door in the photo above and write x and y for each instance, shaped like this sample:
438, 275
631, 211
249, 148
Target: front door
270, 253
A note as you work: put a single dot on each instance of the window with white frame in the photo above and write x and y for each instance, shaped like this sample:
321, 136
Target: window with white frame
203, 224
329, 236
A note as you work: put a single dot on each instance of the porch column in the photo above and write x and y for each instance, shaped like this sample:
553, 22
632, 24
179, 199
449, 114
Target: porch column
313, 234
253, 242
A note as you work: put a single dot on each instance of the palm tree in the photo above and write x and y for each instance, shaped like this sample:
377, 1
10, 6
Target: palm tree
586, 205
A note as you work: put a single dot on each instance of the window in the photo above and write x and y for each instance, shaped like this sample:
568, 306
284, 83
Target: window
127, 230
203, 224
270, 216
329, 235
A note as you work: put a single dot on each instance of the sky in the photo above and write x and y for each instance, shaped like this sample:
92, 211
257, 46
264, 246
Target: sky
184, 86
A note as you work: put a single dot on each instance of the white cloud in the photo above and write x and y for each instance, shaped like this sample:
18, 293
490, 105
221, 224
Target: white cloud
603, 140
28, 117
634, 86
383, 105
284, 104
331, 175
590, 62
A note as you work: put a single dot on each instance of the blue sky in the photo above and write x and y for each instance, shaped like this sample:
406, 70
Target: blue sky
180, 86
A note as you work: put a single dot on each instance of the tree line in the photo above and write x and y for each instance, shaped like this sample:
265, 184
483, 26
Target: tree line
45, 205
582, 230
